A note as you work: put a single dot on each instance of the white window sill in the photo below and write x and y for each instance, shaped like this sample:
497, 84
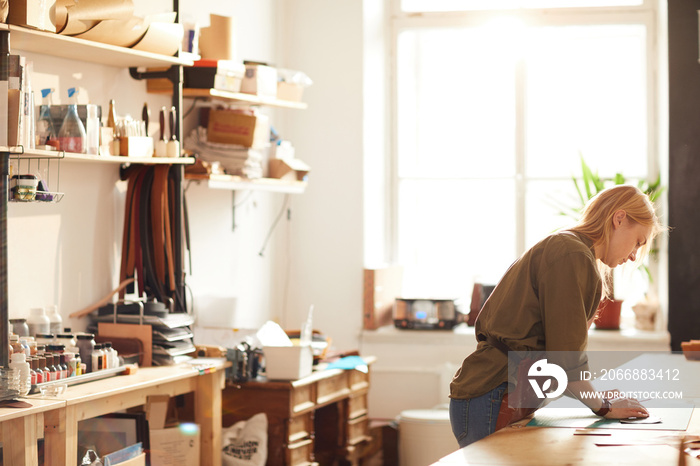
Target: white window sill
598, 340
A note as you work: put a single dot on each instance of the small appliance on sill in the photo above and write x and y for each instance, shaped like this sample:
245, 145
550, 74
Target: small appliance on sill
426, 314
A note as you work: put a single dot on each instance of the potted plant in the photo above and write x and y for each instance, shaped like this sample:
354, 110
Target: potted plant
590, 184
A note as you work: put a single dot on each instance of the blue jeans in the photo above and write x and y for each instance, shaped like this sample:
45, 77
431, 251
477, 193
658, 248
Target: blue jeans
475, 418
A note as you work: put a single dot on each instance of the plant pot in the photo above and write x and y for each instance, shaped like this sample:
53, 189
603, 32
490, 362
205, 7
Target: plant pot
608, 317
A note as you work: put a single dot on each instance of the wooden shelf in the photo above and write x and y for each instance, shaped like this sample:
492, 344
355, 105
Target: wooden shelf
20, 153
236, 183
57, 45
248, 99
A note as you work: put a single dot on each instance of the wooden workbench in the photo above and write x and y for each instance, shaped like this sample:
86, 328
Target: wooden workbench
545, 446
57, 417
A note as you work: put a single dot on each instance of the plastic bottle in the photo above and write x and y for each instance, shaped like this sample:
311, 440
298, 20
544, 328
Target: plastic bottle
97, 358
92, 131
110, 355
15, 344
70, 363
72, 133
55, 319
38, 322
41, 375
32, 370
19, 363
86, 345
63, 366
45, 131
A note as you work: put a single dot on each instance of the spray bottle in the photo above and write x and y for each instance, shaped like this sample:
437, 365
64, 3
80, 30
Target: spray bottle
45, 131
72, 132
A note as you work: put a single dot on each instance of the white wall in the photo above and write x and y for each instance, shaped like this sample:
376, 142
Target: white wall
324, 39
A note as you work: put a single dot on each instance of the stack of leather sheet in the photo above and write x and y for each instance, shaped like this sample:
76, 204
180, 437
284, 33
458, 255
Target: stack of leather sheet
235, 159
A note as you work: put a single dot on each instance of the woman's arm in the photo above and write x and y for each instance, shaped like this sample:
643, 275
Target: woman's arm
620, 408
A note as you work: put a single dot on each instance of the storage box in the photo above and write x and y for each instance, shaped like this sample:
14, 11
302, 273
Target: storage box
260, 80
136, 146
225, 75
288, 169
289, 91
33, 14
175, 446
288, 362
232, 127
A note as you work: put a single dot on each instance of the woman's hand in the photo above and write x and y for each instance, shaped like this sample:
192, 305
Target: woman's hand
623, 408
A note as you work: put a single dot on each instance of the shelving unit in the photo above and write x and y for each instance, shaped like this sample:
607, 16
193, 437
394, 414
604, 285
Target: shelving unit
56, 45
21, 153
248, 99
234, 183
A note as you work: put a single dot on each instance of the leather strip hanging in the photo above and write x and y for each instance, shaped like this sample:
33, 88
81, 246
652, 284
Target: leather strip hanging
150, 248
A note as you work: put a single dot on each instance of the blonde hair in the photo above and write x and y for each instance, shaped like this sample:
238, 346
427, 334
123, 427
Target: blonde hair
596, 222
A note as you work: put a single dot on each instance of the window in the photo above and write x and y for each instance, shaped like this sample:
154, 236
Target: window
492, 112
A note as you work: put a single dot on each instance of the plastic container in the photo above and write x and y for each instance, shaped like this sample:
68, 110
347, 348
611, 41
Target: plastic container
20, 327
425, 436
45, 131
92, 131
38, 322
86, 345
55, 320
23, 187
97, 358
72, 134
19, 364
45, 339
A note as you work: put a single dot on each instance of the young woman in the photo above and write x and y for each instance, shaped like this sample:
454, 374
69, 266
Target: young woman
547, 301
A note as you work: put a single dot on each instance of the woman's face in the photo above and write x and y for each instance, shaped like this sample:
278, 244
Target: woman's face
626, 238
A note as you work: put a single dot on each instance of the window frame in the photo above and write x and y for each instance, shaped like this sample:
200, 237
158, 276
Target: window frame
645, 14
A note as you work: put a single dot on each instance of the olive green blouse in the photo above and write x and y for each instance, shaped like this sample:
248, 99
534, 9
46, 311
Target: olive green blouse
543, 302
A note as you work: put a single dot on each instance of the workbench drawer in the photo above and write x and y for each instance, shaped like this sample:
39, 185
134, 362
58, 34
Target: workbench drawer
358, 380
333, 388
358, 430
357, 405
301, 427
300, 452
302, 398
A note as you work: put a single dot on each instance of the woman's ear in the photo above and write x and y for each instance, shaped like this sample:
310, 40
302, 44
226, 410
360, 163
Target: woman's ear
618, 217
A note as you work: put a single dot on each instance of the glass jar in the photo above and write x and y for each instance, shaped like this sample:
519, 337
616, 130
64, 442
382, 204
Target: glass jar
20, 327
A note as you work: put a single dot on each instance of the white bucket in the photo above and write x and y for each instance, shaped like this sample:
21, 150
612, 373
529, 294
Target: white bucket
425, 436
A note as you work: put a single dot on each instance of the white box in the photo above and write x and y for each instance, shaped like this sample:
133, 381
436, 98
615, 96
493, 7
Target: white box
288, 362
260, 80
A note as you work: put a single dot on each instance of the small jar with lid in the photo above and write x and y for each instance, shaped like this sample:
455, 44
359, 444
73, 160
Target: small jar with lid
20, 327
45, 339
86, 345
67, 340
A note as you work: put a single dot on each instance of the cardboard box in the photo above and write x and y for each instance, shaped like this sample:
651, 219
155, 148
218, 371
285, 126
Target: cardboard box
381, 287
288, 169
260, 80
288, 362
231, 127
289, 91
33, 14
175, 446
